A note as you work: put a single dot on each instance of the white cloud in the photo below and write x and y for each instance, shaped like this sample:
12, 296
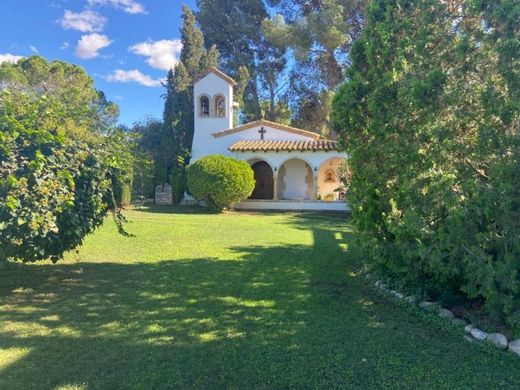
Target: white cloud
133, 76
85, 21
64, 45
89, 45
11, 58
34, 49
160, 54
128, 6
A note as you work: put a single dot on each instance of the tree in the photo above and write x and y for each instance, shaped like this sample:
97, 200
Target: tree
430, 118
320, 34
178, 118
236, 29
63, 163
54, 188
91, 112
149, 133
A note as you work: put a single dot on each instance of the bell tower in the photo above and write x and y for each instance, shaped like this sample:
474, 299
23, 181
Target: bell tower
213, 110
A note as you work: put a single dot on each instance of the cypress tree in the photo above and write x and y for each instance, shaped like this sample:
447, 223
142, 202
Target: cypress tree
178, 114
430, 118
193, 52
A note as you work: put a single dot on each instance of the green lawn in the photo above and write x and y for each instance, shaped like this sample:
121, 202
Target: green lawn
224, 301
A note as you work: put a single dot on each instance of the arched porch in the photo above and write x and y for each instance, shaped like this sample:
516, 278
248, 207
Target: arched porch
295, 180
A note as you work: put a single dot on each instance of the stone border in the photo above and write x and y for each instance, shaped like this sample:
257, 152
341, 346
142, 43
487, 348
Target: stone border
498, 340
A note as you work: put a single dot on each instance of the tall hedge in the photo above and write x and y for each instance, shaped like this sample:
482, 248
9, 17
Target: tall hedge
220, 181
430, 119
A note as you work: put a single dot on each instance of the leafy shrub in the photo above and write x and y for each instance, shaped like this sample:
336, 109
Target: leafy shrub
220, 181
54, 189
430, 118
126, 196
178, 179
142, 182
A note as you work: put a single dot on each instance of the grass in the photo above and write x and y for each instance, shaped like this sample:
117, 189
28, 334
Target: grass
224, 301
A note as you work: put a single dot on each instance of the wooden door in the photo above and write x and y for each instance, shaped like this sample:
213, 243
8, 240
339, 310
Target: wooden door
264, 181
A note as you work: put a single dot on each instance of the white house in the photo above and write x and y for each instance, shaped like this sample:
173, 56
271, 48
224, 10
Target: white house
294, 169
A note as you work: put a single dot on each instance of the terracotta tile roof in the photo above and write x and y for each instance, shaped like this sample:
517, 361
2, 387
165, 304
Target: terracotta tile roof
285, 146
217, 73
273, 125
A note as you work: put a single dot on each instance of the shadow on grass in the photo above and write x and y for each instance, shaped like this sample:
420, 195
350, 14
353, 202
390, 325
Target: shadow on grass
182, 210
286, 316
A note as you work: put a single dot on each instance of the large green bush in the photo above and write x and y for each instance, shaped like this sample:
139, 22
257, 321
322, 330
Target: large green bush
54, 189
430, 118
220, 181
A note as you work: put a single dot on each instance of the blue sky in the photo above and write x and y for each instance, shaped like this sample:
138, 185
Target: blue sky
126, 46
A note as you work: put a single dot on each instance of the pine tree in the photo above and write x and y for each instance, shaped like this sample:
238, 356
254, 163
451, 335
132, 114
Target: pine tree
236, 28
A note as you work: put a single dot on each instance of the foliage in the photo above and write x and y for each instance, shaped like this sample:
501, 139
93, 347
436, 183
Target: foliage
345, 176
220, 181
87, 109
320, 35
54, 189
275, 296
178, 179
242, 43
430, 119
178, 118
63, 164
143, 180
153, 155
118, 152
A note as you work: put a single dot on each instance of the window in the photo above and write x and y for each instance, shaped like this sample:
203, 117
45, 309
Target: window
204, 106
220, 106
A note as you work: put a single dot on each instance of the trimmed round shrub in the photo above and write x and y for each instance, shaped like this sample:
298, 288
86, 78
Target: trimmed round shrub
220, 181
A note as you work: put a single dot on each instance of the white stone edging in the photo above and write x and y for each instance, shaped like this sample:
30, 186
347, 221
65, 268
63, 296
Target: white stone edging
498, 340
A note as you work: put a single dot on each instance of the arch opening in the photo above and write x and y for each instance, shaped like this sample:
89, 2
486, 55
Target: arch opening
296, 180
264, 183
329, 182
204, 106
220, 106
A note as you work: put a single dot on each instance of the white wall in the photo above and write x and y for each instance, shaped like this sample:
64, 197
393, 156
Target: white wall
205, 143
251, 204
203, 140
295, 180
276, 159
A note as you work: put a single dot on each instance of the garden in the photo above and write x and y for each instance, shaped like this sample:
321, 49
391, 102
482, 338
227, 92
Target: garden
100, 289
204, 300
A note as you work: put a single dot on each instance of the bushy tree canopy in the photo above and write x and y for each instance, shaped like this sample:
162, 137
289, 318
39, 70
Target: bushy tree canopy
430, 118
87, 107
53, 189
63, 165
